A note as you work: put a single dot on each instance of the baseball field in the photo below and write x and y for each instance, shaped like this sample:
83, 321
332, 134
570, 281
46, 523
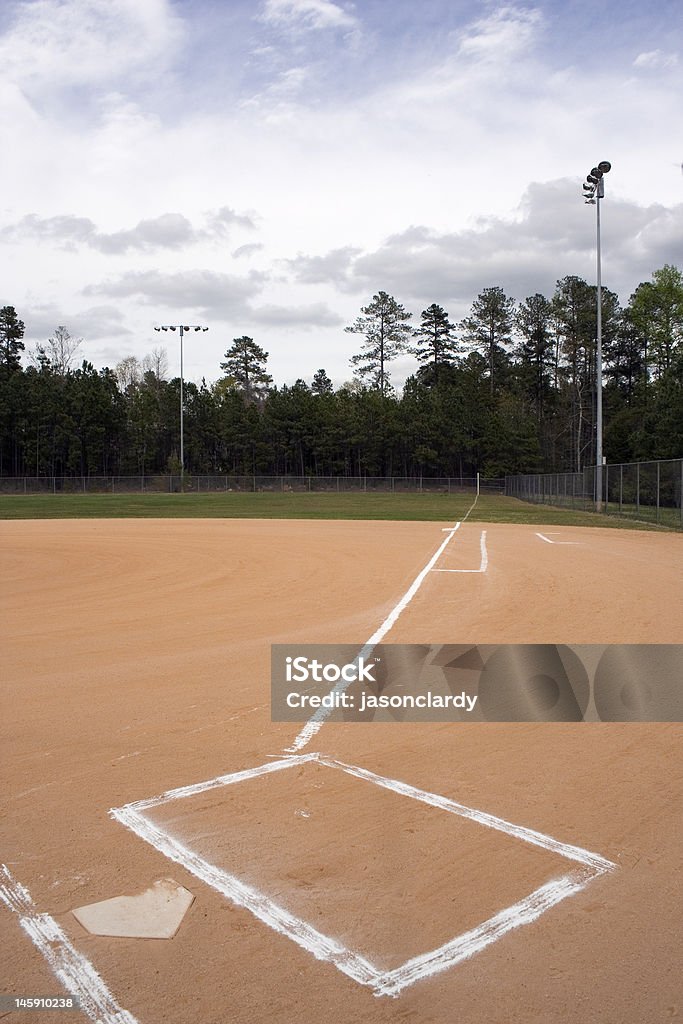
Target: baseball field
365, 873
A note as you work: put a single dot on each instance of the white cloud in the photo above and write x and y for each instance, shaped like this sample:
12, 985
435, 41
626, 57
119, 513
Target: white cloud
167, 231
250, 249
68, 42
307, 14
552, 235
92, 323
209, 292
317, 314
505, 33
655, 59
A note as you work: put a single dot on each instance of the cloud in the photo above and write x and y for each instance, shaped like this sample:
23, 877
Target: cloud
317, 314
169, 231
306, 14
58, 43
330, 268
505, 33
552, 235
210, 293
90, 324
654, 59
246, 250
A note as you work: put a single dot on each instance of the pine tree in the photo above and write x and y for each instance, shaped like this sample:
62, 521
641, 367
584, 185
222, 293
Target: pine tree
11, 345
384, 325
436, 346
245, 362
321, 384
488, 328
534, 320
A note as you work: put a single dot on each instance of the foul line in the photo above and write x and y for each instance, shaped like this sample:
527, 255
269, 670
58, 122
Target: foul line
316, 722
71, 968
484, 564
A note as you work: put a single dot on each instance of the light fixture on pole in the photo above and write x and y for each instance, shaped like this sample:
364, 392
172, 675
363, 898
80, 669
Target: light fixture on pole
593, 192
183, 330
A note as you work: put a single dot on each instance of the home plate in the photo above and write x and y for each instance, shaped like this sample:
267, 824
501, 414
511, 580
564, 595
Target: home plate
156, 913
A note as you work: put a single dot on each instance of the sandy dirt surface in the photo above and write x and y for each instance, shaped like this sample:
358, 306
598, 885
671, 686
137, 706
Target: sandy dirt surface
136, 659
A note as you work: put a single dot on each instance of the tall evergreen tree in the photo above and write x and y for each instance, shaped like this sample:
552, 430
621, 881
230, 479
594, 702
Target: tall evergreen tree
488, 328
435, 346
386, 331
11, 345
245, 362
321, 384
534, 321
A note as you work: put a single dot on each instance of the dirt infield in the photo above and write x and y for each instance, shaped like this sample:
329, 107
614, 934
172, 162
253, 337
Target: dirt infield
136, 659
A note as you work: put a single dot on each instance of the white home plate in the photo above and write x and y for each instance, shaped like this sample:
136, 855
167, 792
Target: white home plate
156, 913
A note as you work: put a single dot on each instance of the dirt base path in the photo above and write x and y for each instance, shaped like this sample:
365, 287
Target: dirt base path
136, 659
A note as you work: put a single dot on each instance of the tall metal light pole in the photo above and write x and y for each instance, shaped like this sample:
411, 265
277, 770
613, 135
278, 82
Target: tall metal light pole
182, 329
593, 192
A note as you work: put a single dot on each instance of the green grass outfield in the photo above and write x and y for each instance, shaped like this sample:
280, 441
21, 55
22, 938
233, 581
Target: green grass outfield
354, 505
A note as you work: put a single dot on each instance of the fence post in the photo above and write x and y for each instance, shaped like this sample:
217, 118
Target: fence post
658, 490
606, 486
637, 488
681, 499
621, 486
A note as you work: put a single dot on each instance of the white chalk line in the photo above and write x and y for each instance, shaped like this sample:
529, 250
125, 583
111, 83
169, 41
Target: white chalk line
326, 948
484, 563
576, 853
221, 780
73, 970
261, 906
466, 945
316, 722
318, 719
549, 541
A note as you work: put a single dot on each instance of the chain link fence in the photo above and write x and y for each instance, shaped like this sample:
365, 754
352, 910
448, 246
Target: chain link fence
646, 491
214, 483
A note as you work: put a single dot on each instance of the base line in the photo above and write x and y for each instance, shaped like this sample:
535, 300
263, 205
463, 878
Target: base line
71, 968
316, 722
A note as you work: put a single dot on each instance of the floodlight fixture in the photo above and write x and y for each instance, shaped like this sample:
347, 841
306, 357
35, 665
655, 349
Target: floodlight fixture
604, 166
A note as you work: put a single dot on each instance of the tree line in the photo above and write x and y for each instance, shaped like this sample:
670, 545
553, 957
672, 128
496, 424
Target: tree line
509, 389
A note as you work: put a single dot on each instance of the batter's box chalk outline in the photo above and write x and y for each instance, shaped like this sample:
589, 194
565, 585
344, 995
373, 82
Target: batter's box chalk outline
329, 949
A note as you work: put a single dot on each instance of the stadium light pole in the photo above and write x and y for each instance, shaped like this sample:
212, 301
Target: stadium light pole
183, 330
593, 192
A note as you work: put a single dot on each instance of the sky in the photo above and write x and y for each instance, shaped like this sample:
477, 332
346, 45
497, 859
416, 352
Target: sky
266, 167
